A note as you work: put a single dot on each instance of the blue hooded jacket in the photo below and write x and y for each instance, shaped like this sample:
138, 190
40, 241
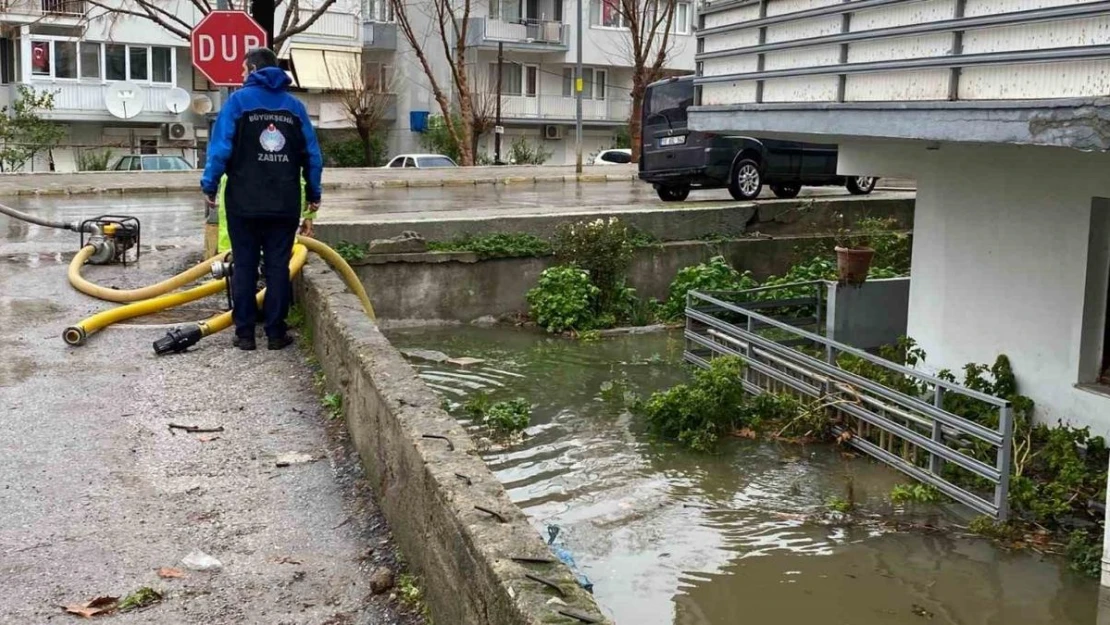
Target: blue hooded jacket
264, 141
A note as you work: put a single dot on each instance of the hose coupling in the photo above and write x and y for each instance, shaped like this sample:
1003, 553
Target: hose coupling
221, 269
177, 340
74, 335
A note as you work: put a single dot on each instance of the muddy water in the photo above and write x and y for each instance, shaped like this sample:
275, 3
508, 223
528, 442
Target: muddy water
672, 537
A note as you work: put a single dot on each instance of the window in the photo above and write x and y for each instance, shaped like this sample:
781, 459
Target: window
397, 162
668, 102
90, 60
511, 79
409, 162
137, 57
379, 77
115, 61
1094, 352
136, 164
65, 59
148, 146
123, 164
681, 22
594, 83
607, 14
378, 10
431, 162
531, 80
40, 58
161, 65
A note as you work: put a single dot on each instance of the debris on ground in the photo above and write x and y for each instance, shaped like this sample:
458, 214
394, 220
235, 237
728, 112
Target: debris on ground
199, 561
465, 361
922, 612
381, 580
428, 355
290, 458
195, 429
167, 572
141, 598
95, 607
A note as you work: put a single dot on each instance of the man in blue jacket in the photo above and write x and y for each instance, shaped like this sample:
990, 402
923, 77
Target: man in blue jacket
264, 141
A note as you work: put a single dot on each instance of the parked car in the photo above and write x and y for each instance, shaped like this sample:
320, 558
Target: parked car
420, 161
150, 162
614, 156
675, 159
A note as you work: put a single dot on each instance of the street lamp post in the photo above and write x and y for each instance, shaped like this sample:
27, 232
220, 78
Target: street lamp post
578, 97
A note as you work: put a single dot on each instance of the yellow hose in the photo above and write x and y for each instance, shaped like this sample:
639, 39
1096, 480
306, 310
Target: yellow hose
222, 321
79, 333
337, 263
133, 295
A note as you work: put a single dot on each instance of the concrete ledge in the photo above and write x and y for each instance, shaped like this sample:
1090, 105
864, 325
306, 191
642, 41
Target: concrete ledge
682, 222
428, 487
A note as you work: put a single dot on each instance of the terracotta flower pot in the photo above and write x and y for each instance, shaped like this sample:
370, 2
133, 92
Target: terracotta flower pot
853, 264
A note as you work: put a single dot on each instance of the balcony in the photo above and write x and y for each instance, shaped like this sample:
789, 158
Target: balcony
521, 35
75, 101
62, 12
333, 28
562, 109
379, 36
943, 70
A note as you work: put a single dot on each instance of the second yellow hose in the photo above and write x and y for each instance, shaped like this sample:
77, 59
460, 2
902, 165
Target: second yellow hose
339, 264
222, 321
133, 295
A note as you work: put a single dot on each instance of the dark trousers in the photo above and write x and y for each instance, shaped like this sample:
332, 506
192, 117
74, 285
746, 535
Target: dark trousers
272, 237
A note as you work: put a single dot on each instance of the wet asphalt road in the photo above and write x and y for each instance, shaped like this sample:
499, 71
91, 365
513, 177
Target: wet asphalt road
176, 219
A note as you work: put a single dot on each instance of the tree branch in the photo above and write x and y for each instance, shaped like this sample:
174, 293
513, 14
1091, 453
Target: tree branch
147, 15
302, 26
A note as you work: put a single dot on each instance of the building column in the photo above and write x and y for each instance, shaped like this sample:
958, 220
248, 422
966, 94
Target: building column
24, 55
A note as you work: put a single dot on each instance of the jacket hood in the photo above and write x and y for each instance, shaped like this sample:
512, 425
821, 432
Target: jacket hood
272, 78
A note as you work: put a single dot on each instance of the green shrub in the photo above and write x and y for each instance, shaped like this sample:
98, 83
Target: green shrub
506, 418
715, 275
95, 160
914, 493
437, 140
346, 150
351, 252
564, 299
488, 246
524, 152
697, 414
604, 249
892, 248
1084, 553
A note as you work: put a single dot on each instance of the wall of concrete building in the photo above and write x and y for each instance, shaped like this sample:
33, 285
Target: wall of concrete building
1004, 264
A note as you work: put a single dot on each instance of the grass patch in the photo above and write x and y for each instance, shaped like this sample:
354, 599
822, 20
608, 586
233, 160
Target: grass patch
499, 245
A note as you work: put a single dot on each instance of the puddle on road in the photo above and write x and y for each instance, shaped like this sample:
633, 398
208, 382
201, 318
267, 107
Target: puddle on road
670, 537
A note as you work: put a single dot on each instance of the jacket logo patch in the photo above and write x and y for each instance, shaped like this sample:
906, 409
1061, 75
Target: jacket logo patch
272, 140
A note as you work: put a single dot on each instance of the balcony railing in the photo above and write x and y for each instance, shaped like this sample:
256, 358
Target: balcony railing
86, 100
64, 7
331, 25
898, 50
521, 34
555, 107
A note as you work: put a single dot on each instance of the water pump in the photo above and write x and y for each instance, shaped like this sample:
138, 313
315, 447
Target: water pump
113, 238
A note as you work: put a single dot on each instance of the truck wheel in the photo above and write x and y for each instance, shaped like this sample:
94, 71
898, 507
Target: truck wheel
786, 191
675, 193
746, 181
861, 185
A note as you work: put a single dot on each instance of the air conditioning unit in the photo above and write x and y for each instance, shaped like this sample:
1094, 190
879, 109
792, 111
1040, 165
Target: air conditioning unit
552, 132
178, 131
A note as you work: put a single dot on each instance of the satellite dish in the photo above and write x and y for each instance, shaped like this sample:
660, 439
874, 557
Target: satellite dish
202, 104
177, 100
123, 99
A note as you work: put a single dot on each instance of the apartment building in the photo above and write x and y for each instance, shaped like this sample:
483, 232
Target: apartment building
87, 57
536, 40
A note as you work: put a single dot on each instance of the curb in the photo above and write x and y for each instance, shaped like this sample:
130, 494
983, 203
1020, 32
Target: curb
395, 183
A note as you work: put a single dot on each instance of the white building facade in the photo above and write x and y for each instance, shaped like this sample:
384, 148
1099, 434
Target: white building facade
998, 108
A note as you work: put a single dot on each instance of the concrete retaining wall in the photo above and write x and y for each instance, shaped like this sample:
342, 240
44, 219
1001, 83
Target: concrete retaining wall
428, 487
459, 287
666, 223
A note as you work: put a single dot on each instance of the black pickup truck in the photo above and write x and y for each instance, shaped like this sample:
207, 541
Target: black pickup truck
675, 159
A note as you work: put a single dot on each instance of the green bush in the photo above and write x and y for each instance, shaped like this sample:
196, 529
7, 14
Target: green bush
437, 140
564, 299
351, 252
1084, 553
622, 139
697, 414
95, 160
524, 152
347, 151
715, 275
604, 249
506, 418
488, 246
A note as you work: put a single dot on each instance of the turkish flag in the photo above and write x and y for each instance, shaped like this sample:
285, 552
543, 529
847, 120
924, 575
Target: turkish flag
40, 56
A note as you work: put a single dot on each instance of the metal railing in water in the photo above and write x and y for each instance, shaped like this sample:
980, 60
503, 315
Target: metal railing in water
911, 431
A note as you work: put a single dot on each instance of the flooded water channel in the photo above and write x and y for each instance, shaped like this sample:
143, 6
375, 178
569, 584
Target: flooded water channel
670, 537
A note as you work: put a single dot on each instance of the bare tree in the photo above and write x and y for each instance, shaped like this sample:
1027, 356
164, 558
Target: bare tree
162, 13
366, 95
450, 20
483, 107
650, 25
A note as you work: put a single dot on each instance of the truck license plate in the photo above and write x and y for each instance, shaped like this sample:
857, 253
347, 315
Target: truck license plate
665, 141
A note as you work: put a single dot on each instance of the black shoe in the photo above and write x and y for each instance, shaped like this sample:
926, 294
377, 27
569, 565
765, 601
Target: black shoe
246, 344
281, 342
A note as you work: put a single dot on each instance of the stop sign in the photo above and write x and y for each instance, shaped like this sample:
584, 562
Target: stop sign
219, 42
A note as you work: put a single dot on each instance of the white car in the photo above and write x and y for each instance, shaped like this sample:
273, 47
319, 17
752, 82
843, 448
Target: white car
614, 156
420, 161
